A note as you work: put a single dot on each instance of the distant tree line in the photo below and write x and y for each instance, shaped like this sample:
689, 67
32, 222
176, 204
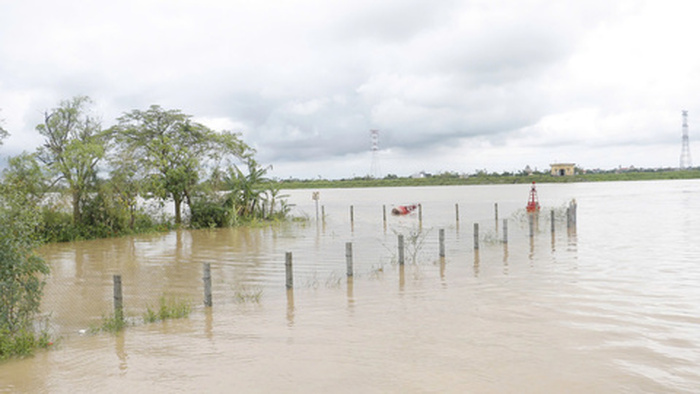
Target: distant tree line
483, 177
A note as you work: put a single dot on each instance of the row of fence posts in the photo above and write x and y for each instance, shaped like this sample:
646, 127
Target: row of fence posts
570, 214
289, 278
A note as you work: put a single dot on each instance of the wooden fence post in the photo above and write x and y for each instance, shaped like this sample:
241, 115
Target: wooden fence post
476, 236
505, 231
401, 249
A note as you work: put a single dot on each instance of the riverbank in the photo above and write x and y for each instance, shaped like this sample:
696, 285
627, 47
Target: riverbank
450, 179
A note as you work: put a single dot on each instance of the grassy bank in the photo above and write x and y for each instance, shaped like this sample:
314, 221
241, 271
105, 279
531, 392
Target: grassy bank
450, 179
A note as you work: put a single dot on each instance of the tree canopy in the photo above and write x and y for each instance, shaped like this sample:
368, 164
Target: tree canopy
73, 146
174, 151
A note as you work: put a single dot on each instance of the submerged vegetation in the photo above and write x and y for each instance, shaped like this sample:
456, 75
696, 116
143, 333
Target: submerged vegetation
168, 309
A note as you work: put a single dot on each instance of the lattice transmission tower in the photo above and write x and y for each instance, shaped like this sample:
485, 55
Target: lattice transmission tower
375, 171
685, 150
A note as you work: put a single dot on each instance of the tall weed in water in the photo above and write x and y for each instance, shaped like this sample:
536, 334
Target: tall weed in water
245, 294
167, 309
414, 241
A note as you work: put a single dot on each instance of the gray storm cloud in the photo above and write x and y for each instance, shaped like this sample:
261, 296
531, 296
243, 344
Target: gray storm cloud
305, 80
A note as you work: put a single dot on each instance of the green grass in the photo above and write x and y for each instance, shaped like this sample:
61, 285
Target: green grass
112, 324
22, 343
245, 294
167, 309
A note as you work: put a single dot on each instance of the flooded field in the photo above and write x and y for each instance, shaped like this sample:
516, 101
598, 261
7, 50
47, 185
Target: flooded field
613, 306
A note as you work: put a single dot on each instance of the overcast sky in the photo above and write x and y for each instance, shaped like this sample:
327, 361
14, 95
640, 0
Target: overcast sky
450, 85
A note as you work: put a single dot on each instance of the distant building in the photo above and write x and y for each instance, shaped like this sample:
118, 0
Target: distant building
421, 174
562, 169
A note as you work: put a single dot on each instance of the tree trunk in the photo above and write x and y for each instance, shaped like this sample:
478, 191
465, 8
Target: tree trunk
76, 207
178, 215
132, 216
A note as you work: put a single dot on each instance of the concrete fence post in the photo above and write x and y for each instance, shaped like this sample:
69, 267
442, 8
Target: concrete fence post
288, 270
206, 277
442, 242
348, 258
118, 299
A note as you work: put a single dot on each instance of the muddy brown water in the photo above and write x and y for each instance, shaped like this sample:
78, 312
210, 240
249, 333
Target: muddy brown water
613, 306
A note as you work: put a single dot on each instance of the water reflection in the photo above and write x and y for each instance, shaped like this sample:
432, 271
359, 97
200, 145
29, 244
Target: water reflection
442, 269
402, 277
208, 323
350, 292
120, 350
553, 243
476, 263
290, 307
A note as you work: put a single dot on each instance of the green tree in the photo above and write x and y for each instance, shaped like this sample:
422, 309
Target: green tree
125, 182
174, 151
73, 146
21, 270
250, 187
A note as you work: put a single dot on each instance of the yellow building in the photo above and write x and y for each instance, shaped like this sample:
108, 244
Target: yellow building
562, 169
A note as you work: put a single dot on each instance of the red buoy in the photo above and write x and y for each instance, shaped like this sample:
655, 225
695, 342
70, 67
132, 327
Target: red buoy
533, 204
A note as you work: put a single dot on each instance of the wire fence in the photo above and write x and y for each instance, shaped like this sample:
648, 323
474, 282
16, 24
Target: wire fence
220, 267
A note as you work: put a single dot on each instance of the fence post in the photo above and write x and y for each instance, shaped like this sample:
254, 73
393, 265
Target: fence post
315, 197
442, 242
457, 212
288, 270
384, 214
348, 257
495, 211
476, 236
505, 231
118, 300
571, 214
400, 249
352, 214
207, 284
552, 220
420, 213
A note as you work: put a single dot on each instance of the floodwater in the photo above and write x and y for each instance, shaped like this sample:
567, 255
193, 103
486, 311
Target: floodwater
611, 306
